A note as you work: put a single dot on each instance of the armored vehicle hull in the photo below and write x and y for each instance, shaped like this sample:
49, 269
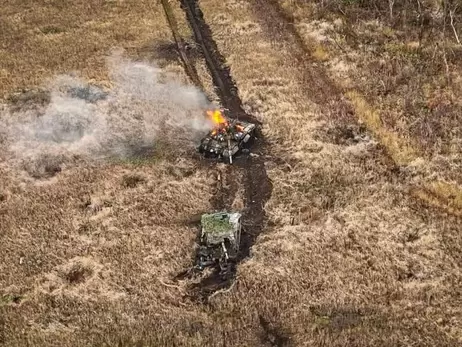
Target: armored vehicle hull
219, 241
226, 141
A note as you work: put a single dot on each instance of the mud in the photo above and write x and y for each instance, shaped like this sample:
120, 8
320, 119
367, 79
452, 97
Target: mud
257, 186
216, 63
226, 188
258, 189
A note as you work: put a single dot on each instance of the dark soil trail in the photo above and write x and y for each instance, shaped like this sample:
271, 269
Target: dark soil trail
257, 185
227, 184
216, 63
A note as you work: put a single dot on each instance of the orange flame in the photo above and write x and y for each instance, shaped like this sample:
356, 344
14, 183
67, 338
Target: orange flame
217, 117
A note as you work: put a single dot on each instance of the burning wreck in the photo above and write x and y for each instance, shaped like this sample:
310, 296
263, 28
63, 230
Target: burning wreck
227, 138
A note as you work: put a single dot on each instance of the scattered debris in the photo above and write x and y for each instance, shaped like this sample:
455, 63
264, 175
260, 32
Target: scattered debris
219, 241
218, 251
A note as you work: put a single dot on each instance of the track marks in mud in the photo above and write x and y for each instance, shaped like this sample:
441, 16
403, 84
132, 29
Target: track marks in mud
256, 184
189, 68
258, 189
228, 181
216, 63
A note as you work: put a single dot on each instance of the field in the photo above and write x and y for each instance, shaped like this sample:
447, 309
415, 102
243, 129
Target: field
351, 199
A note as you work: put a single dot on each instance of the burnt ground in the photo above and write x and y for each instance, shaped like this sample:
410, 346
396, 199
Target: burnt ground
257, 186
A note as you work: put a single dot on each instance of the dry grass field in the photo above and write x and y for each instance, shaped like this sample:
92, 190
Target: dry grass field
400, 67
41, 39
354, 250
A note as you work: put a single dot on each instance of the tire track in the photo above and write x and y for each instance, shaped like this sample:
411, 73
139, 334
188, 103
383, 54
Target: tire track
189, 68
256, 183
317, 85
216, 63
313, 79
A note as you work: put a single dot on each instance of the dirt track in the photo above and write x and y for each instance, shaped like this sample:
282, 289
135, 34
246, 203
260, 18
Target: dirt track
189, 68
257, 187
216, 63
312, 77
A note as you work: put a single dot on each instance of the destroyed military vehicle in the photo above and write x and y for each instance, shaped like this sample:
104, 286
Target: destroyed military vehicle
219, 241
227, 138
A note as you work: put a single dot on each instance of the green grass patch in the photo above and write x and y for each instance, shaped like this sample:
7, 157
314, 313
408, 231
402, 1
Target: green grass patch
216, 223
10, 299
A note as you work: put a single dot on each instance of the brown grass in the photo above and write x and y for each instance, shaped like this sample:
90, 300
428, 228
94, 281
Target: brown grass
339, 262
443, 195
401, 152
41, 39
346, 258
201, 76
402, 91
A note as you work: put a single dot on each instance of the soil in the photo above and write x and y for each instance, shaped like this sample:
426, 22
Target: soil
216, 63
256, 183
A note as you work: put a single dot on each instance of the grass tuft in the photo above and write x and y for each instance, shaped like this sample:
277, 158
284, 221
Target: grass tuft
442, 195
398, 148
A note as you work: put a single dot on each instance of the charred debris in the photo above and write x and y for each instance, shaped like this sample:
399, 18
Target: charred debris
228, 138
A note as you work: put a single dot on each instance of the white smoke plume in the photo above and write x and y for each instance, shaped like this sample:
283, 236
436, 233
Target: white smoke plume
145, 107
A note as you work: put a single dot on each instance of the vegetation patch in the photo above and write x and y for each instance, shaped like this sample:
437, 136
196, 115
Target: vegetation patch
132, 180
442, 195
398, 148
10, 299
216, 223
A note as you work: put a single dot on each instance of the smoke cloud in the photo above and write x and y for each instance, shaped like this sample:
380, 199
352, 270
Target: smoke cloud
145, 107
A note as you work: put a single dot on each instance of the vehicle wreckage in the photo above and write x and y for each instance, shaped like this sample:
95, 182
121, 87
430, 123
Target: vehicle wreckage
227, 138
219, 241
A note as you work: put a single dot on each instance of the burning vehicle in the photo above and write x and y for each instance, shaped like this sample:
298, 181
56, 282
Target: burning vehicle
228, 137
219, 241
